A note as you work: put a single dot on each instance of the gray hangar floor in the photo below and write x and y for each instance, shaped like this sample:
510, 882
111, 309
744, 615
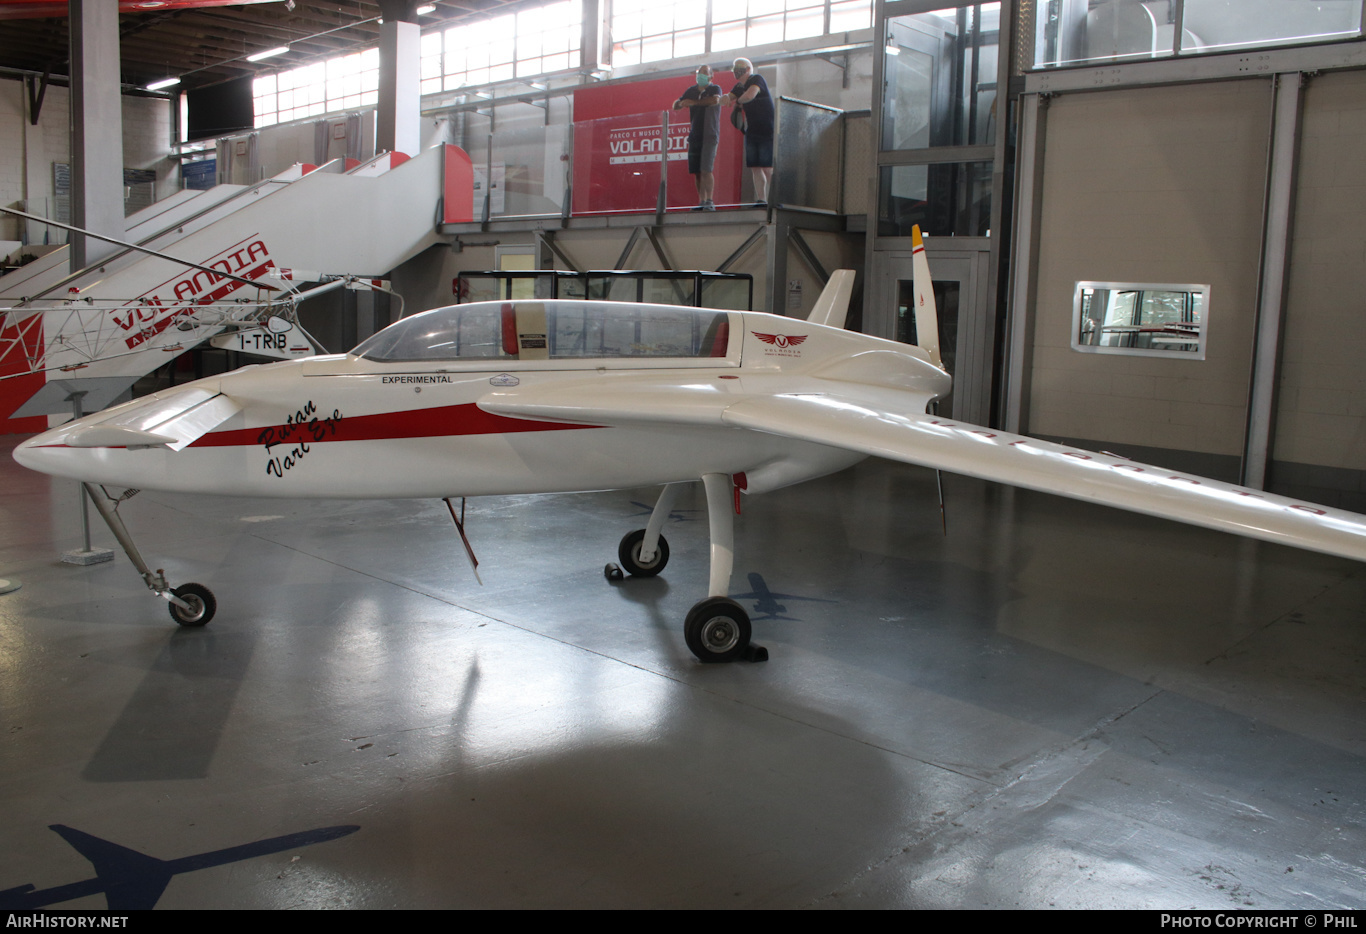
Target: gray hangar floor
1056, 705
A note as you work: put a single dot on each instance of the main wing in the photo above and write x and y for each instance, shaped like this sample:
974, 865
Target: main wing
891, 423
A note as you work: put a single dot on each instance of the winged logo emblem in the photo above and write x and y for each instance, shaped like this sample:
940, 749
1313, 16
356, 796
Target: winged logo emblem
780, 340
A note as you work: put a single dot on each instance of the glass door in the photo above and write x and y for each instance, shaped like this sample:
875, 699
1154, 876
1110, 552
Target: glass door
965, 321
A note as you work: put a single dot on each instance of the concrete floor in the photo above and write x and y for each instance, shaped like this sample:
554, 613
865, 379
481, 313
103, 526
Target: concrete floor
1057, 705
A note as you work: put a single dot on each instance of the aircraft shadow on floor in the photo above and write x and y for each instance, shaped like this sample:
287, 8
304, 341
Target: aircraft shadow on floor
134, 881
766, 601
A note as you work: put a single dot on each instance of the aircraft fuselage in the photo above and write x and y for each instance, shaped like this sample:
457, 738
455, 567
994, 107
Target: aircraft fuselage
348, 427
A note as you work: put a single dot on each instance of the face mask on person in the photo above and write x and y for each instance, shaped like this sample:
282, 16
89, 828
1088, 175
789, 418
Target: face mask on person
703, 80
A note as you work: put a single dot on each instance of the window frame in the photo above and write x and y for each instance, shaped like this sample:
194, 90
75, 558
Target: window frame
789, 9
1201, 289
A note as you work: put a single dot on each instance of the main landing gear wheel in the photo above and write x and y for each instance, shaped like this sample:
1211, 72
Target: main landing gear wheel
201, 601
628, 553
717, 630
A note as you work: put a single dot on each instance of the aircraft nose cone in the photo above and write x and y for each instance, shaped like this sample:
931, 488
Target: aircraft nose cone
49, 453
22, 454
37, 453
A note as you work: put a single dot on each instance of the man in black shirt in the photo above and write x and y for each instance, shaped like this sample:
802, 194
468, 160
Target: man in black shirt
751, 93
704, 102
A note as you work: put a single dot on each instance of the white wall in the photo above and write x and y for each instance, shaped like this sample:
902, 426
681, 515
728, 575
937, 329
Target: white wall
27, 152
11, 154
147, 141
1160, 185
1321, 418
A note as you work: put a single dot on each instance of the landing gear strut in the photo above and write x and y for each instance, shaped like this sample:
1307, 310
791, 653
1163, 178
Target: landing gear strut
191, 604
644, 552
630, 554
717, 629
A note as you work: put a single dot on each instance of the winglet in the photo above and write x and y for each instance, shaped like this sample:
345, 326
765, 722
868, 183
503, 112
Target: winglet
926, 318
833, 305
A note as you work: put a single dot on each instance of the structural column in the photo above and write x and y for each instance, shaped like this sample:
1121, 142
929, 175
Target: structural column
96, 129
1024, 263
1282, 160
399, 116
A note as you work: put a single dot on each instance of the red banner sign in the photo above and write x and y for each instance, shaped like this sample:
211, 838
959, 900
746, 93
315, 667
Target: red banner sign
618, 133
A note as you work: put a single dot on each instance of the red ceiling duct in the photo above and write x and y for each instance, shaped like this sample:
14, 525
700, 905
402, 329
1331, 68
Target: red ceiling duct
33, 9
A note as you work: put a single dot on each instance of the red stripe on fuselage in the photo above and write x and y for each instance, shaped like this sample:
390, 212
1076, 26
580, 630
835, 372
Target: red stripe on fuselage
439, 422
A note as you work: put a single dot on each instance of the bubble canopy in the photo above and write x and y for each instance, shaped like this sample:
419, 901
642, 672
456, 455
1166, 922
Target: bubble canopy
550, 330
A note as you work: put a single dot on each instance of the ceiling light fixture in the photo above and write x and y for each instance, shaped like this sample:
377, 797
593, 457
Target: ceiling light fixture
425, 9
163, 83
268, 53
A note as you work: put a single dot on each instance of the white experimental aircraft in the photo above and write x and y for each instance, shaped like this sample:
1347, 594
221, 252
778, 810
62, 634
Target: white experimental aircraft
559, 396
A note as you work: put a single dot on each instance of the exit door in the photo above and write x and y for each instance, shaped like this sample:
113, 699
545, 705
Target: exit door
965, 320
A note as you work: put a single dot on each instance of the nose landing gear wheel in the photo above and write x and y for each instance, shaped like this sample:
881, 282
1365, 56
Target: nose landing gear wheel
201, 601
717, 630
628, 553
